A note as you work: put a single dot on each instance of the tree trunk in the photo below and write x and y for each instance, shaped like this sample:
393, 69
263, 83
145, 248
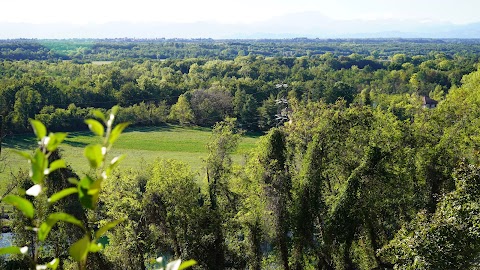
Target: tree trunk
255, 249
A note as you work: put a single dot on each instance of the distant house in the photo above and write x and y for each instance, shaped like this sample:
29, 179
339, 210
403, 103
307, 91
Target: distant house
428, 102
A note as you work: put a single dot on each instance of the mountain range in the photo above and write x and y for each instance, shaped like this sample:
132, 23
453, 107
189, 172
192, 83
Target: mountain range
305, 24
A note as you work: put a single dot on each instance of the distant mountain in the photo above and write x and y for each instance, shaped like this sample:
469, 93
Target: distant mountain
305, 24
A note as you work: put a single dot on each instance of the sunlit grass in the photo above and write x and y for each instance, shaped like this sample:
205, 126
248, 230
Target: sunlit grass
141, 146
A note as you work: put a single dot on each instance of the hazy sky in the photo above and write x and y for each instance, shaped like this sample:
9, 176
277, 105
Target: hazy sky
244, 11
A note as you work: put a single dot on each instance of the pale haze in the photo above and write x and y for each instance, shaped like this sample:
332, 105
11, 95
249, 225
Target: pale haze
299, 17
245, 11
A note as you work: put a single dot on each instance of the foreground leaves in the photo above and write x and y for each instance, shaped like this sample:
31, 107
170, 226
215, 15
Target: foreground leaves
52, 219
13, 250
22, 204
79, 249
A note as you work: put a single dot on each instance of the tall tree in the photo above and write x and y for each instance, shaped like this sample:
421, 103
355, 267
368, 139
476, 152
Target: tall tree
181, 111
277, 182
218, 163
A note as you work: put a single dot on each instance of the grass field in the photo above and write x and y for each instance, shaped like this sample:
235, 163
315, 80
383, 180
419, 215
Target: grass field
141, 145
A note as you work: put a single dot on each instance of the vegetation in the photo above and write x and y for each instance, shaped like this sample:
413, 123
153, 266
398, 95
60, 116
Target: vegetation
187, 144
353, 171
98, 50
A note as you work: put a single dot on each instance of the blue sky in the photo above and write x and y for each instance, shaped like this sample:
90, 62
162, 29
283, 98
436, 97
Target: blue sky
224, 11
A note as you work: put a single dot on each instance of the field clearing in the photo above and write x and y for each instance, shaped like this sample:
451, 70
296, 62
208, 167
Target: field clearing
101, 63
141, 146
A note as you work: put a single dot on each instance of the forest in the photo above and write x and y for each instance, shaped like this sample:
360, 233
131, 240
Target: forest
352, 171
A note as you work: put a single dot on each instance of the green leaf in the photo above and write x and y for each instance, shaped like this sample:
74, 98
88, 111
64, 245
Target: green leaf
57, 164
116, 160
12, 250
83, 187
79, 249
95, 247
117, 130
39, 128
21, 204
73, 181
55, 140
99, 114
95, 127
187, 264
62, 193
38, 164
52, 219
114, 163
53, 264
114, 110
94, 155
106, 227
23, 154
88, 192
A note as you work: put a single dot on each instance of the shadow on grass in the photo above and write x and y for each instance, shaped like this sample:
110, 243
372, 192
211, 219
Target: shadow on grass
20, 142
148, 128
166, 128
74, 144
179, 128
24, 142
254, 134
30, 142
171, 127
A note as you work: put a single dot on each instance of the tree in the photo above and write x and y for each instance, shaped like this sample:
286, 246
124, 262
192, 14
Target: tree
129, 244
340, 90
309, 209
66, 234
211, 106
172, 211
277, 183
252, 225
447, 239
87, 189
218, 164
245, 110
181, 111
266, 114
129, 94
27, 104
39, 221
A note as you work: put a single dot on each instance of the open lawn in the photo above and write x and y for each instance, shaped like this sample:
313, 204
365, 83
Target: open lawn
141, 145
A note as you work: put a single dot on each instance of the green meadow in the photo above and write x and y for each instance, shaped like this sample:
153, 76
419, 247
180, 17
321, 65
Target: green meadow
141, 146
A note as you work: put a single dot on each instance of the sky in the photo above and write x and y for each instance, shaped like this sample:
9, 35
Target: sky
225, 11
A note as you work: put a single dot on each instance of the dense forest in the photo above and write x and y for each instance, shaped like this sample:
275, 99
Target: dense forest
84, 50
206, 90
354, 171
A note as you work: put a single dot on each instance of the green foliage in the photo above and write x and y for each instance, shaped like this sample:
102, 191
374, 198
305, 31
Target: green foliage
13, 250
211, 106
447, 239
181, 111
79, 250
21, 204
53, 218
216, 88
266, 114
61, 194
162, 215
88, 188
350, 182
277, 182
